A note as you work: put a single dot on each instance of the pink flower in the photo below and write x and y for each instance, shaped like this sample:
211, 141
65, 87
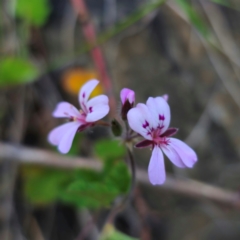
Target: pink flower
151, 120
127, 98
91, 111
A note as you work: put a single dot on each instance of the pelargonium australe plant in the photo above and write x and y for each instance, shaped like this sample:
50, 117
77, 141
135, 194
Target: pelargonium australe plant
150, 121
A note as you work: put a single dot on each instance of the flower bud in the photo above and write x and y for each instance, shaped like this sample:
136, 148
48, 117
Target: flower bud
127, 98
116, 128
165, 97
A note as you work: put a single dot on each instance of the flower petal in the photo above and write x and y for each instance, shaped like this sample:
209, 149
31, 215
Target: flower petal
85, 92
98, 111
140, 120
156, 168
173, 156
67, 139
187, 155
65, 109
99, 100
127, 94
56, 135
161, 112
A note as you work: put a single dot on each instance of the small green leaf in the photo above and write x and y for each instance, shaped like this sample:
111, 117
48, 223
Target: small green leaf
16, 71
110, 233
109, 149
34, 12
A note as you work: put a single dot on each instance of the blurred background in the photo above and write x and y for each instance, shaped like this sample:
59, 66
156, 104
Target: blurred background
188, 49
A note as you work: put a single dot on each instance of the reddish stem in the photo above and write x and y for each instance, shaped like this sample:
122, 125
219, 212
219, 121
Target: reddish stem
90, 35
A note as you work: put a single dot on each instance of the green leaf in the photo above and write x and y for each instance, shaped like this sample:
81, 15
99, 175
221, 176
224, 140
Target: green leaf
78, 200
87, 175
99, 193
81, 187
90, 190
109, 149
94, 190
34, 12
118, 177
43, 185
110, 233
16, 71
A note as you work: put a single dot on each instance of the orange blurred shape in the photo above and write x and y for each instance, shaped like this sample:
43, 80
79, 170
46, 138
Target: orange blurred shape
74, 79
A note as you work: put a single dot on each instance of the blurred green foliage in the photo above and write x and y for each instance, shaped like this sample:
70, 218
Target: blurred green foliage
130, 20
15, 70
228, 3
194, 18
34, 12
43, 185
81, 187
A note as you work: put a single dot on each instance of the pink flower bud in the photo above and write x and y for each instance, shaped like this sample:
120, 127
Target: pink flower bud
127, 95
127, 98
165, 97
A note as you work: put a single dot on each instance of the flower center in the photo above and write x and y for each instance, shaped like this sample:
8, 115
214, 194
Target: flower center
157, 139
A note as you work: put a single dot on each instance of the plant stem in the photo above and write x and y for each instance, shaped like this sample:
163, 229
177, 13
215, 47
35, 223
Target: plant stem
133, 171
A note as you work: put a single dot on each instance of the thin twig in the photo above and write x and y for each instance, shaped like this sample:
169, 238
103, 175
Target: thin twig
187, 187
196, 189
46, 158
